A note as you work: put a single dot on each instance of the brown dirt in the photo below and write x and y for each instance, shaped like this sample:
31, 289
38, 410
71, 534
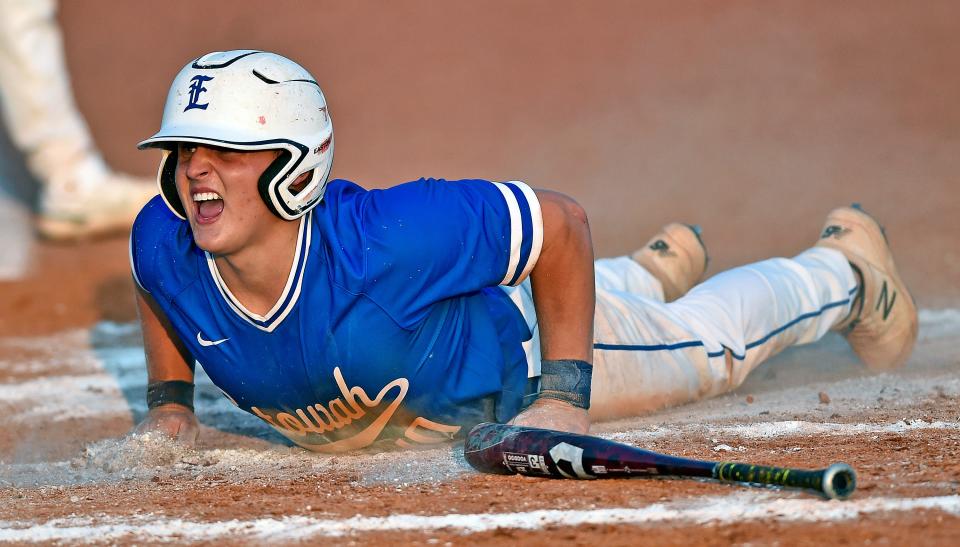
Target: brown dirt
750, 118
70, 287
900, 465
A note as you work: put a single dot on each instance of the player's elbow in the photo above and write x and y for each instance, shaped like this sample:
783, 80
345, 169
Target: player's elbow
563, 216
575, 212
561, 207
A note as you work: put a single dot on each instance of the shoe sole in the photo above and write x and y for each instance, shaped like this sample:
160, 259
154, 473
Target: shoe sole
66, 231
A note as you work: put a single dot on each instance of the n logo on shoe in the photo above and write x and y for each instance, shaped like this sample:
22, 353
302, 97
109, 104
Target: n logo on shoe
886, 300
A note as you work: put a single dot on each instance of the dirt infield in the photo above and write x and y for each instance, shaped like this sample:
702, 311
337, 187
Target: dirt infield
68, 476
750, 118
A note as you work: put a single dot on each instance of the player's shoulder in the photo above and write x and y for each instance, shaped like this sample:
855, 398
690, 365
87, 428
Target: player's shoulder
432, 192
347, 203
159, 244
340, 190
156, 224
154, 213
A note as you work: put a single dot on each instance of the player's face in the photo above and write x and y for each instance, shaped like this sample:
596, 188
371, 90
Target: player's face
218, 188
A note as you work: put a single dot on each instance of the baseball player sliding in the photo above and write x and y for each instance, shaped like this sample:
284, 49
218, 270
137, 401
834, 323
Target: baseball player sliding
346, 317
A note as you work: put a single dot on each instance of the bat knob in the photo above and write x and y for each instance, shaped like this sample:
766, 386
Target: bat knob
839, 481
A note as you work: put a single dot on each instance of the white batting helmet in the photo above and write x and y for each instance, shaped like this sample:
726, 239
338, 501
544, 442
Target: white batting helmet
250, 100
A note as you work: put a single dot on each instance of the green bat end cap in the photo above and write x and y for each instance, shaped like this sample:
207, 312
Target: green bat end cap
839, 481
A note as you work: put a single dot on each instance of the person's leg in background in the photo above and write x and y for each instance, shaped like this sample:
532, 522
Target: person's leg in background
80, 196
18, 195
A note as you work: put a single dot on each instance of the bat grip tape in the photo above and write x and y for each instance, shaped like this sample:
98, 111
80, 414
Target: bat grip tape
567, 380
173, 391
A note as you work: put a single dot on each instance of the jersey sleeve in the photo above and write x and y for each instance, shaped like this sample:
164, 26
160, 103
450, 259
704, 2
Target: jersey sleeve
158, 241
140, 259
431, 239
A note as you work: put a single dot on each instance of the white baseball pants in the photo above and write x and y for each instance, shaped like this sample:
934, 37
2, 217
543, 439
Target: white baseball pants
649, 354
37, 103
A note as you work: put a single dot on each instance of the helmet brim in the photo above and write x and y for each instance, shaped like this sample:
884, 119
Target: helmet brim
169, 138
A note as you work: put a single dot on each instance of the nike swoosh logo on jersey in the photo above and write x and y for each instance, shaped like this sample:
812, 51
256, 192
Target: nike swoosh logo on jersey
208, 343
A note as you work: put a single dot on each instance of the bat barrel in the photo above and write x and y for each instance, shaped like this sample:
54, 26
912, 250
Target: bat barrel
835, 482
507, 449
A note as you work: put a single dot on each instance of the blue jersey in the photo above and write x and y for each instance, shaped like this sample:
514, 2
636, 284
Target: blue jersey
391, 326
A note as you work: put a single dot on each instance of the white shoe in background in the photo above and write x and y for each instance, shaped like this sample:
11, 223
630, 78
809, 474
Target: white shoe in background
108, 204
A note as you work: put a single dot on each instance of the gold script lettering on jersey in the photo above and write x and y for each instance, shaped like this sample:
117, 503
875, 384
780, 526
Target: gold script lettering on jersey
354, 405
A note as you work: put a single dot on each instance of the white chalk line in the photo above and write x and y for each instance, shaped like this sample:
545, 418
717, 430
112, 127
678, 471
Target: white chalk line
714, 510
939, 323
791, 428
72, 379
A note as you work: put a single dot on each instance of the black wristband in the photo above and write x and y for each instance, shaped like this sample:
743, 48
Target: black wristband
174, 391
567, 380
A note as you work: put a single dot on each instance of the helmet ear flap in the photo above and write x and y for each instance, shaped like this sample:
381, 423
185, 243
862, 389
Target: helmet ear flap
167, 181
272, 170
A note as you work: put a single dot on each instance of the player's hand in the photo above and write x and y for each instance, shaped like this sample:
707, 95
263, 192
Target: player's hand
175, 421
554, 414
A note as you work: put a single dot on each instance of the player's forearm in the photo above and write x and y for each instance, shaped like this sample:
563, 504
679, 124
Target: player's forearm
563, 280
563, 294
167, 359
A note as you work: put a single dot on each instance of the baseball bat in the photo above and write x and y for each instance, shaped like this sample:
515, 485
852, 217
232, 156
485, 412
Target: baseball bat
507, 449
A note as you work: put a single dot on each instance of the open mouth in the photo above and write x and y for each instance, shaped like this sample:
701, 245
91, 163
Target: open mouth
209, 206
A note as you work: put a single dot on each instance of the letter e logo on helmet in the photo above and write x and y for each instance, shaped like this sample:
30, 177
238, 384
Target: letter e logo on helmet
196, 88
